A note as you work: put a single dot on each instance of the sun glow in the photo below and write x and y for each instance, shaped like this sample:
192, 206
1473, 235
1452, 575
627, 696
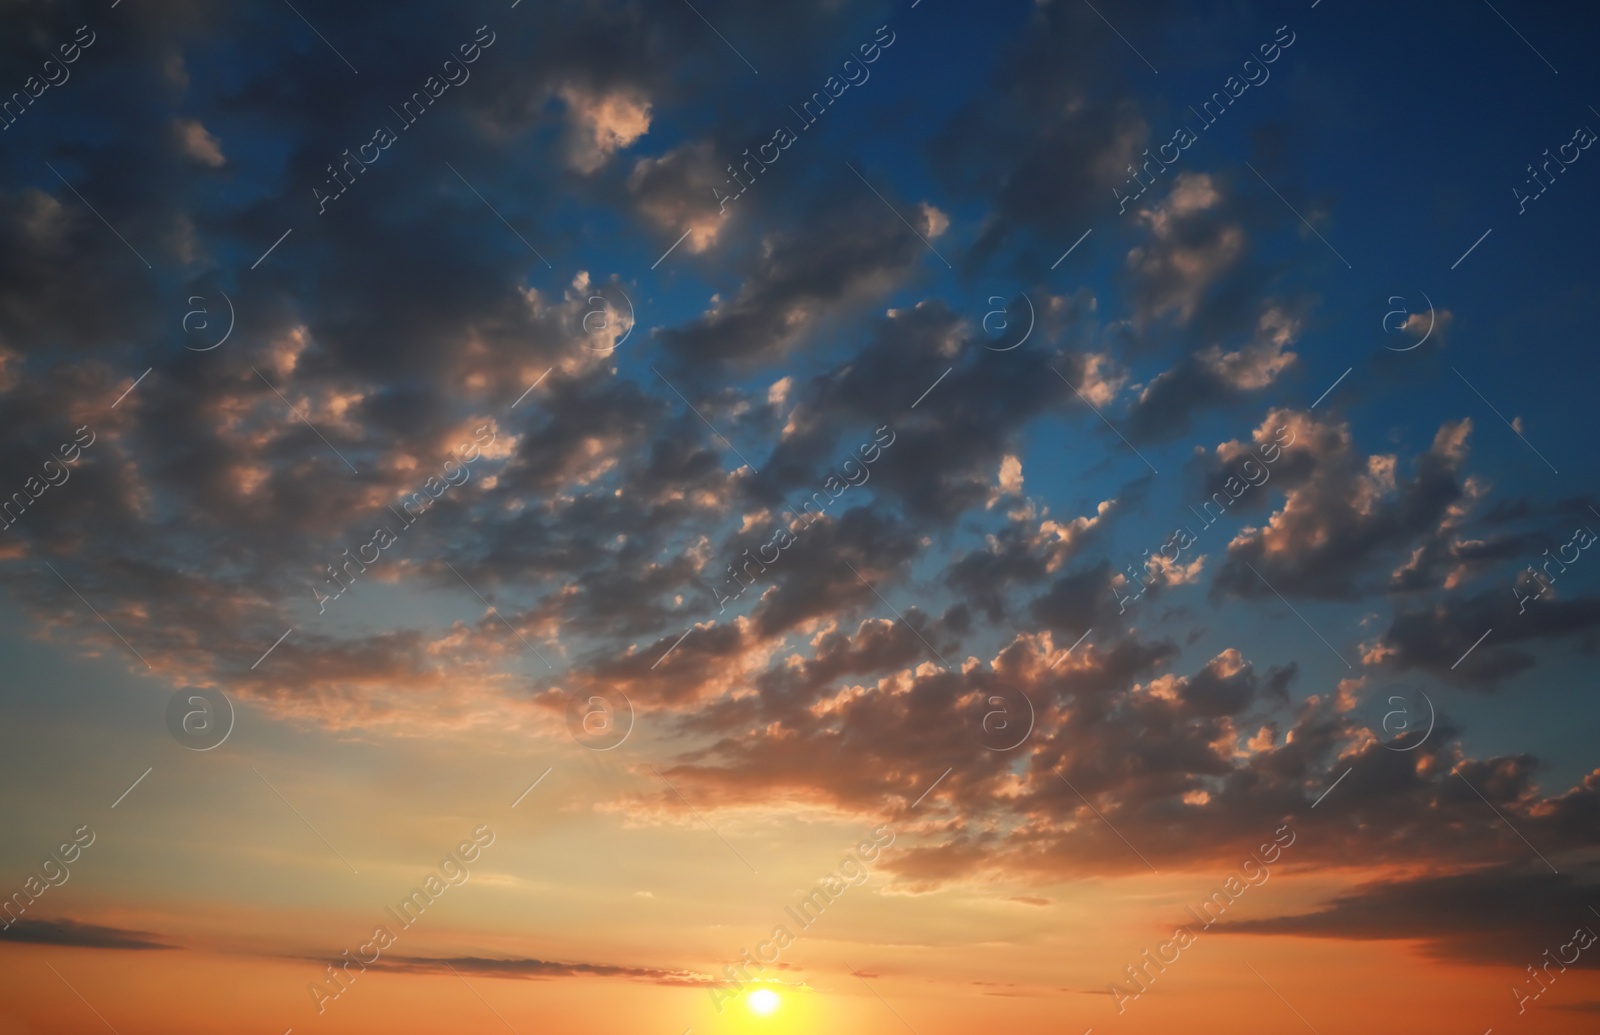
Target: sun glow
764, 1001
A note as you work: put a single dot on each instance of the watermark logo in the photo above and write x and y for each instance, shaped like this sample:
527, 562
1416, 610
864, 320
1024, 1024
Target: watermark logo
605, 318
197, 323
1401, 716
600, 721
200, 718
1403, 321
998, 324
1007, 721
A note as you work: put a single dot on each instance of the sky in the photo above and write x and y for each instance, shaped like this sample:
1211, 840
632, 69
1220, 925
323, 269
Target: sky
643, 517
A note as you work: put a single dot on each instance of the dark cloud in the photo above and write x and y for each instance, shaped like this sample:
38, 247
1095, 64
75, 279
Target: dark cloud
1436, 639
534, 969
600, 527
1502, 915
1213, 377
853, 251
1054, 135
63, 931
1185, 767
1350, 517
1026, 551
1079, 600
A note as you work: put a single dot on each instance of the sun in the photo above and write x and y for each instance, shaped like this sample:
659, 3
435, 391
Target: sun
764, 1001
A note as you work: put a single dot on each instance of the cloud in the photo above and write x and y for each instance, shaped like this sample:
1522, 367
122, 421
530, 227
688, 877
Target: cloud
947, 449
1345, 517
1437, 638
1585, 1006
64, 931
535, 969
851, 251
674, 191
1028, 549
1497, 915
1186, 766
601, 124
1213, 377
1052, 136
1193, 245
198, 143
600, 526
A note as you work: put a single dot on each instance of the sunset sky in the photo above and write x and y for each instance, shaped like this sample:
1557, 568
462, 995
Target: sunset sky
648, 516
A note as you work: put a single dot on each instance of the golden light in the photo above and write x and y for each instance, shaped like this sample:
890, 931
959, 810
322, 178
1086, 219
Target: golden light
764, 1001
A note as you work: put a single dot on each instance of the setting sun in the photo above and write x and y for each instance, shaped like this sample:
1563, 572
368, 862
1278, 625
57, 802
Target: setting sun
764, 1001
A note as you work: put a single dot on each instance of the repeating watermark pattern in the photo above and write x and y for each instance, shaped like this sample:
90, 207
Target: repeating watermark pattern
604, 315
1159, 565
811, 109
787, 533
1009, 720
414, 505
1402, 716
1407, 323
1541, 179
997, 322
1182, 137
1048, 129
454, 870
21, 101
1529, 577
196, 320
350, 166
600, 721
1582, 938
53, 873
200, 718
55, 472
1253, 873
851, 872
